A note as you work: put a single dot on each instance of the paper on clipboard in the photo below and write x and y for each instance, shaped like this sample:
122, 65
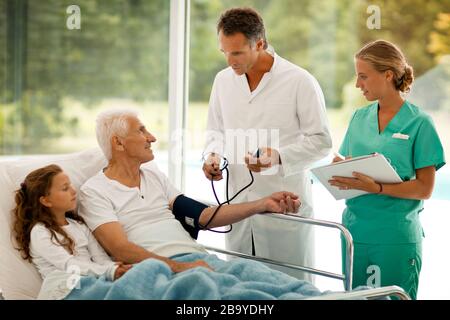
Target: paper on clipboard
374, 165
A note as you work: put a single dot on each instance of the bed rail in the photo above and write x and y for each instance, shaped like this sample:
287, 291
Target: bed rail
348, 273
370, 294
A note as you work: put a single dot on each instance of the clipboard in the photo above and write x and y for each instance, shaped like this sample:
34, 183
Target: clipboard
373, 165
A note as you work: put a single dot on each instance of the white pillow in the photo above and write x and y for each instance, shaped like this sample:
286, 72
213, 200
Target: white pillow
18, 278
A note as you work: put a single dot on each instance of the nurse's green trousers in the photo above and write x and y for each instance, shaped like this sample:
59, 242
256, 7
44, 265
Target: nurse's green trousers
386, 265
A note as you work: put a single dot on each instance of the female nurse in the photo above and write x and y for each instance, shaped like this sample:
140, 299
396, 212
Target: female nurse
385, 222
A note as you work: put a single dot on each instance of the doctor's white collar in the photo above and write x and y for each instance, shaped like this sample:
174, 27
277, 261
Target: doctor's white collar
270, 50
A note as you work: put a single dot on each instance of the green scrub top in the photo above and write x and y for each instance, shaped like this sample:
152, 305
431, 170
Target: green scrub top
382, 219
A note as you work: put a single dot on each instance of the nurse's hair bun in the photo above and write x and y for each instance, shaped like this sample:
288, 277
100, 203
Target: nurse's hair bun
404, 83
384, 56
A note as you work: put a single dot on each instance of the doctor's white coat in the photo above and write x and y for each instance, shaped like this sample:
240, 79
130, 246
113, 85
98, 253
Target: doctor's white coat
285, 112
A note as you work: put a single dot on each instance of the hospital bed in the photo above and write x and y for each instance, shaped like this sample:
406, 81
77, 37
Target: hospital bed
20, 280
346, 277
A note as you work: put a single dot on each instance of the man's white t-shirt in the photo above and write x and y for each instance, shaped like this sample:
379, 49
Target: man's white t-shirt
143, 212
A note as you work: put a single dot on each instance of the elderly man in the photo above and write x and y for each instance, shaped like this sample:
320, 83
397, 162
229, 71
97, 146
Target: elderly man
134, 211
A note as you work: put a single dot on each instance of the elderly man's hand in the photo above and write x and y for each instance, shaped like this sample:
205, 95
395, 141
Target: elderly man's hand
121, 269
281, 202
182, 266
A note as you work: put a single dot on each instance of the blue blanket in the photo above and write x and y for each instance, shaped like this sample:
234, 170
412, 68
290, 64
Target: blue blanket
238, 279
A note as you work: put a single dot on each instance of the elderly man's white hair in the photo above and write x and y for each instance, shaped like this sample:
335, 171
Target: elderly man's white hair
110, 123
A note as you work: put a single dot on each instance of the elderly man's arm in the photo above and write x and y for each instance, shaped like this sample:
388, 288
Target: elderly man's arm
209, 217
278, 202
114, 240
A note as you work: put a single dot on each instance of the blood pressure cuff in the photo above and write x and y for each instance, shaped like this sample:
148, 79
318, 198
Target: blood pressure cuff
188, 211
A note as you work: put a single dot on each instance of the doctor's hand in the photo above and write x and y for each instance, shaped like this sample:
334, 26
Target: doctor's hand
211, 167
281, 202
268, 157
359, 182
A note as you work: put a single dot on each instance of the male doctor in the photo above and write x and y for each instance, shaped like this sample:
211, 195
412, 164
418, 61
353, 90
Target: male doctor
264, 102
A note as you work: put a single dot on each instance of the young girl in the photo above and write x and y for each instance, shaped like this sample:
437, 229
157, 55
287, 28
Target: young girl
51, 235
385, 223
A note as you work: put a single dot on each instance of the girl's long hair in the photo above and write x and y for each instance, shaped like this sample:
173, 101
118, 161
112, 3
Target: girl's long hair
29, 211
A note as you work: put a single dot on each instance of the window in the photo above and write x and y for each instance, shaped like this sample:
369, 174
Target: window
55, 79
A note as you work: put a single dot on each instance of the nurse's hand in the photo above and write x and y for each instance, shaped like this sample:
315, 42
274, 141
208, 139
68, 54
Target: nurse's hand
339, 158
359, 182
211, 167
268, 157
281, 202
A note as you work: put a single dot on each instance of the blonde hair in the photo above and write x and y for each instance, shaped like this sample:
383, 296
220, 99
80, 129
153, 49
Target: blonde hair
383, 56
